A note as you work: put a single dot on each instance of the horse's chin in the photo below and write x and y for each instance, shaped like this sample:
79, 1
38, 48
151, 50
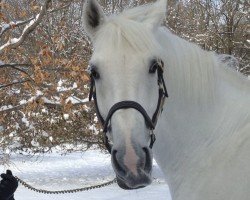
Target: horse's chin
134, 183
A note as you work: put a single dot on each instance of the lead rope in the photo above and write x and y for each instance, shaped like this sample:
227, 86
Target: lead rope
26, 185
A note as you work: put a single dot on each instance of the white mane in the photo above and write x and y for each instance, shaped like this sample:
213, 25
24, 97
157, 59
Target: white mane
200, 70
125, 36
191, 70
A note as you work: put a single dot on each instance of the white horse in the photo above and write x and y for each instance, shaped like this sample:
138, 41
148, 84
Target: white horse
203, 134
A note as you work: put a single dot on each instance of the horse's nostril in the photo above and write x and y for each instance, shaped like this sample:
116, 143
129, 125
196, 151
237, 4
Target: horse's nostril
148, 160
117, 166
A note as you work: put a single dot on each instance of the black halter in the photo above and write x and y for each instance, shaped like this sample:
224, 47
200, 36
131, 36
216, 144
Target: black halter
150, 123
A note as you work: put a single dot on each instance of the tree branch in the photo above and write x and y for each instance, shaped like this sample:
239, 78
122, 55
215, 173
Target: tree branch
14, 65
49, 105
60, 8
6, 27
15, 42
14, 83
12, 108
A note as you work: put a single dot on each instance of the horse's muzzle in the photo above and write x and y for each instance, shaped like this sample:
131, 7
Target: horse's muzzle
131, 182
129, 179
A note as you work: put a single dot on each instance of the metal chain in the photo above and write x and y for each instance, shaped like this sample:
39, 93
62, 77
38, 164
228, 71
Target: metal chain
65, 191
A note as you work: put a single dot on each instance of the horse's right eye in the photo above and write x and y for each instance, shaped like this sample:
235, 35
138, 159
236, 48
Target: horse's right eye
93, 72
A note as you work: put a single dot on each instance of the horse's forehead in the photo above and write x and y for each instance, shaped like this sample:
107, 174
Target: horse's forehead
122, 51
109, 58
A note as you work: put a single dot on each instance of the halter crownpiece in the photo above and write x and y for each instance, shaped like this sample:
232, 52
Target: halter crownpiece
150, 123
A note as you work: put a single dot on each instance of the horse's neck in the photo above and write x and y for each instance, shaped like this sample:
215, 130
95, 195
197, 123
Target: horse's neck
186, 106
196, 126
191, 81
196, 152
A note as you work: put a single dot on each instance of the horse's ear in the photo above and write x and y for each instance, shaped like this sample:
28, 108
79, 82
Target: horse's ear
93, 17
152, 15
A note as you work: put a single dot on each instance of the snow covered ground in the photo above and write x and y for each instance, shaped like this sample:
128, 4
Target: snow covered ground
56, 172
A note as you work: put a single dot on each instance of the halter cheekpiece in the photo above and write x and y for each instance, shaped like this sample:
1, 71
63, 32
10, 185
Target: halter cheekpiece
150, 122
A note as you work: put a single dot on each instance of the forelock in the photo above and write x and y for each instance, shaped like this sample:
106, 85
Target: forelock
120, 34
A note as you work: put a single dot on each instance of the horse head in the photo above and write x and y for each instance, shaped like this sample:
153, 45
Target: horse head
128, 87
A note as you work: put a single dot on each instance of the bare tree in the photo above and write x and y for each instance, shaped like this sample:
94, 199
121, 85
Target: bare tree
215, 25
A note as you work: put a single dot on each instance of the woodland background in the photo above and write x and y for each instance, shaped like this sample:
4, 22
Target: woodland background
44, 53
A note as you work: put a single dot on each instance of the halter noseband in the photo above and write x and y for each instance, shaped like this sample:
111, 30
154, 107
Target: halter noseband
150, 123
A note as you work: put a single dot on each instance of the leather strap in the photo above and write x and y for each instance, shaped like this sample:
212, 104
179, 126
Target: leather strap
126, 105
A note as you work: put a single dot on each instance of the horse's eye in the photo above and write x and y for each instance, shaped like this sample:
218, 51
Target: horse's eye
153, 67
94, 74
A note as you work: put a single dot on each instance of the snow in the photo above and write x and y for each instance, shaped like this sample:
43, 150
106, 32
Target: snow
14, 40
93, 129
6, 107
66, 116
46, 100
25, 120
30, 23
56, 172
51, 138
9, 25
61, 88
23, 101
39, 93
75, 100
11, 41
35, 143
4, 27
72, 99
